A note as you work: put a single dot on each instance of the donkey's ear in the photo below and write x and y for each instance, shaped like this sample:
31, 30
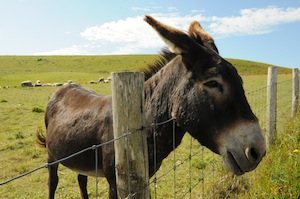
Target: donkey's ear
177, 41
201, 36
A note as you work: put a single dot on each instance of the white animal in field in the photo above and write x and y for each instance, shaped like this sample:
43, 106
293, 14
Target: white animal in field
101, 79
26, 83
48, 84
57, 84
38, 83
68, 82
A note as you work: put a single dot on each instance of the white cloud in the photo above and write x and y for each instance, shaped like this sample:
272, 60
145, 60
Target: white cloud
253, 21
128, 35
133, 35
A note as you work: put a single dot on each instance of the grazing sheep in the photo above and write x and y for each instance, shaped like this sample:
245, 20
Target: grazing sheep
47, 84
101, 79
69, 82
26, 83
38, 83
57, 84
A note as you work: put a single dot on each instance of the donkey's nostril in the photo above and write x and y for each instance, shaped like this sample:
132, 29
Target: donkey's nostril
252, 154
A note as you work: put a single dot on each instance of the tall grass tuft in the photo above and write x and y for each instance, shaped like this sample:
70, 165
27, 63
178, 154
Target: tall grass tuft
37, 110
19, 135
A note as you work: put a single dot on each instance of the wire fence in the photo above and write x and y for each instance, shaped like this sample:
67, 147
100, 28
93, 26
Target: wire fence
194, 171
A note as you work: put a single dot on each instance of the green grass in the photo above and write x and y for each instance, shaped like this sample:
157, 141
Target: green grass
21, 114
246, 67
279, 174
82, 69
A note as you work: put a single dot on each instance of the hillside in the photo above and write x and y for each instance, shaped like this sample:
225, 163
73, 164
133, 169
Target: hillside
91, 64
21, 114
103, 64
246, 67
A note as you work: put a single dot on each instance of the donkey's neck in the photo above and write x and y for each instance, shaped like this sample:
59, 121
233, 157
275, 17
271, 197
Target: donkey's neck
159, 90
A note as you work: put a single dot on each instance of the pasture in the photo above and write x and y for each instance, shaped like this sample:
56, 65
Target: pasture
277, 176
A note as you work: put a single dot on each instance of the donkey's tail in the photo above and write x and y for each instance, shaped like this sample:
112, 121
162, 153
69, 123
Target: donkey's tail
40, 137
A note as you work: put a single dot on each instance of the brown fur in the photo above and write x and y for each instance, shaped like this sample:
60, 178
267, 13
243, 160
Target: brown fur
201, 36
200, 90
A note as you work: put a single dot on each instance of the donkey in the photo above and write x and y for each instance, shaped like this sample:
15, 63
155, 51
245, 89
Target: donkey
191, 83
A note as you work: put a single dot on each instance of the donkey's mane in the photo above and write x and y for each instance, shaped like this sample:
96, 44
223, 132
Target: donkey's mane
165, 57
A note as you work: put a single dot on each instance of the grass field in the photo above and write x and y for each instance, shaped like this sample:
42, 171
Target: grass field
277, 176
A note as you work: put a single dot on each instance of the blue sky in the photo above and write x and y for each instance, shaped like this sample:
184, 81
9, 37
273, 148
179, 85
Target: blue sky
265, 31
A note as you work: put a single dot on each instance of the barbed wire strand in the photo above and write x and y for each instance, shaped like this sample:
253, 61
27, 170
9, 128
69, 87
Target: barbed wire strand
96, 169
154, 160
174, 159
202, 171
190, 166
128, 165
213, 172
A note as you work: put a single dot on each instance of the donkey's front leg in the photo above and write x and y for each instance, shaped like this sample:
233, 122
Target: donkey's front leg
113, 191
82, 181
111, 178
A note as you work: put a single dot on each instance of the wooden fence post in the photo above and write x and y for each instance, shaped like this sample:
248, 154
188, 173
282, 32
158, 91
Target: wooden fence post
295, 94
271, 105
131, 152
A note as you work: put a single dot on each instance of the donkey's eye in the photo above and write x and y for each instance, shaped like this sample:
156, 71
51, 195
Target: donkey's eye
214, 85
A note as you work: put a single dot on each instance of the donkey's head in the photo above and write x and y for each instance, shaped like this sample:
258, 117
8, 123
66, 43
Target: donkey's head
209, 100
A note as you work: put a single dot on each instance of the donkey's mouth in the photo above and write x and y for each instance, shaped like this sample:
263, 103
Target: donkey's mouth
233, 165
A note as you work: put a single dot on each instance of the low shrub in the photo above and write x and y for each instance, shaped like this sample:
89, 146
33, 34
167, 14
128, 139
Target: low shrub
37, 110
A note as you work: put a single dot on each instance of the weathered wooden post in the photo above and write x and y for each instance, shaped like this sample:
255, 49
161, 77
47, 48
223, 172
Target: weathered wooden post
271, 105
295, 97
131, 152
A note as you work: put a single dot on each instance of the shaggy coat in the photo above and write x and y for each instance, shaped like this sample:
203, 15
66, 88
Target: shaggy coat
191, 83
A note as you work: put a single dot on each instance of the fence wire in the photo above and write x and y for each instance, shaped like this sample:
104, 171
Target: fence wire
210, 169
63, 159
